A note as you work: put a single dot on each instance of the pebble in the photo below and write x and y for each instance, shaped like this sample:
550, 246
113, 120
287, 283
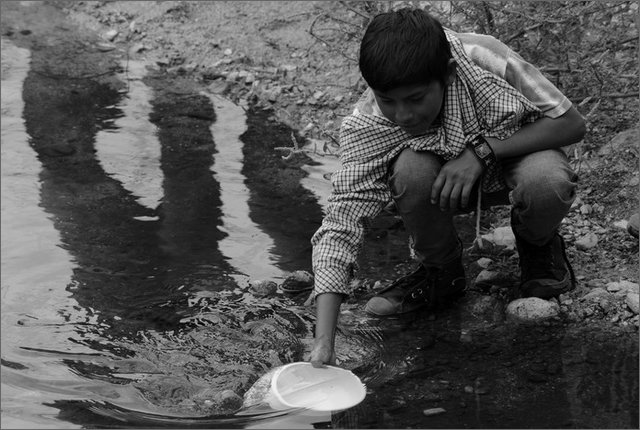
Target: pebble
501, 236
486, 277
622, 224
588, 241
595, 294
484, 262
433, 411
111, 35
288, 68
632, 302
586, 209
138, 47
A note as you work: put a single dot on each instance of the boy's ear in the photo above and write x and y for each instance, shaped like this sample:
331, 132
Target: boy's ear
451, 71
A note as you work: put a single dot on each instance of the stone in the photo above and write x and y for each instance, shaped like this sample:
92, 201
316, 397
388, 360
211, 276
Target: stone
629, 286
613, 287
588, 241
262, 288
595, 295
433, 411
586, 209
531, 310
297, 282
138, 47
486, 277
250, 78
111, 35
632, 302
288, 67
502, 236
484, 262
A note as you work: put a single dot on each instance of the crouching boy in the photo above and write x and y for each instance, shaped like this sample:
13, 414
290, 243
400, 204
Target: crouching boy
444, 114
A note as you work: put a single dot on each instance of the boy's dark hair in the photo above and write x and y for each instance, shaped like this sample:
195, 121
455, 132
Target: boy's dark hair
404, 47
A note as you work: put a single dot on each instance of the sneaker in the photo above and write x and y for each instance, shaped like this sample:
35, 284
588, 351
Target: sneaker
545, 271
423, 288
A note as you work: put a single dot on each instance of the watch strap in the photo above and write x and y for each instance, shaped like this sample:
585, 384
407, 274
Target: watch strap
483, 151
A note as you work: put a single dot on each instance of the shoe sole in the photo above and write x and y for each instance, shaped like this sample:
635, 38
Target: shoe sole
441, 303
548, 291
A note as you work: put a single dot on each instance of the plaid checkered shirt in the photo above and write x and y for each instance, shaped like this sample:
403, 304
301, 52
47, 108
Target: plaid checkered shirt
476, 103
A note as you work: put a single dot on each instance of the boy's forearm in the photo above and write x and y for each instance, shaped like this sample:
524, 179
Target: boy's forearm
327, 311
546, 133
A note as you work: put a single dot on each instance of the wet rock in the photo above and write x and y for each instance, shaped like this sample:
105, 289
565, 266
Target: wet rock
531, 310
632, 302
262, 288
297, 282
588, 241
433, 411
226, 401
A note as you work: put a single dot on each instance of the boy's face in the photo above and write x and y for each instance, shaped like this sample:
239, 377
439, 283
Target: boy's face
414, 107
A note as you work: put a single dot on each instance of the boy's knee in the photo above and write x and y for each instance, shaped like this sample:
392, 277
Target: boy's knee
550, 188
413, 173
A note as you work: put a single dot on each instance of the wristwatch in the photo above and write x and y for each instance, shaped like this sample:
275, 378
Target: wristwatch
483, 151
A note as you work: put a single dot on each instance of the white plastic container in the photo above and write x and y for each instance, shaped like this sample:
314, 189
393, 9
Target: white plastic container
300, 385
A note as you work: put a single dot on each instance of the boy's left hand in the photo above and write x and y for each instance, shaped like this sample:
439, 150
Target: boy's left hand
454, 183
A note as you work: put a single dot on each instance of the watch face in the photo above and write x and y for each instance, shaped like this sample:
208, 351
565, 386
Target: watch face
483, 150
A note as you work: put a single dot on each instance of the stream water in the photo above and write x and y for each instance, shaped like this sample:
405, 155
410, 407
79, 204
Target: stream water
133, 222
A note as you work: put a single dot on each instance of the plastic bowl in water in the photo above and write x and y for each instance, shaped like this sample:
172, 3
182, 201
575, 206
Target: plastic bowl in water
329, 388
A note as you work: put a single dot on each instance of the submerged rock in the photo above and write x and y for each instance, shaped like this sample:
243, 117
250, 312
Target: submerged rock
298, 282
263, 288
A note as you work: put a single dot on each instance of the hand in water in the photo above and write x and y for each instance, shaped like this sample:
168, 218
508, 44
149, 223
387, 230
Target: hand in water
322, 353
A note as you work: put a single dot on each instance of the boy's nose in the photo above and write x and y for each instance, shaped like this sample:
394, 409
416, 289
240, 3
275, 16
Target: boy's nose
404, 115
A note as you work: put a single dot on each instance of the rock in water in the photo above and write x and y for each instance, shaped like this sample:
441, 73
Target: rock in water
263, 288
299, 281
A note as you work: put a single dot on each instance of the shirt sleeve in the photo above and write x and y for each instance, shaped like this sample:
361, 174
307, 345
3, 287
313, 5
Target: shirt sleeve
360, 191
497, 58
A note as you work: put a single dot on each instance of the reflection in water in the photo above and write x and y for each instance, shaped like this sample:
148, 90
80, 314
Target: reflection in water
248, 249
130, 152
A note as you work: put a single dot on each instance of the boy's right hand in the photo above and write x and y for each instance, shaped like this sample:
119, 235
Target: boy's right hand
322, 353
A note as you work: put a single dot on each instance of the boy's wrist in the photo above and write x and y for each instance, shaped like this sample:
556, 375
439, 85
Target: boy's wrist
483, 151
